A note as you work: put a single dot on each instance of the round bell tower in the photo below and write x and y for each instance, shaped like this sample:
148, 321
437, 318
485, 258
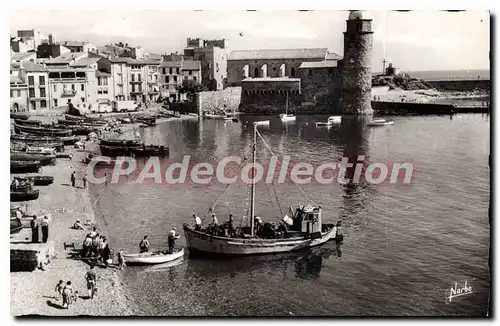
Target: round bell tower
357, 65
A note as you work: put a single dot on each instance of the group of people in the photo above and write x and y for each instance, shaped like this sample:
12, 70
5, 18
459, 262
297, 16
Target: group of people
73, 180
227, 229
37, 223
65, 291
95, 246
172, 236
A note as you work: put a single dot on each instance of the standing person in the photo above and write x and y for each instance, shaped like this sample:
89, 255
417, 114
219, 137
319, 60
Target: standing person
121, 259
67, 294
144, 245
172, 236
85, 180
45, 228
73, 179
94, 232
230, 226
87, 246
95, 245
91, 281
197, 222
106, 255
34, 229
215, 224
105, 178
59, 290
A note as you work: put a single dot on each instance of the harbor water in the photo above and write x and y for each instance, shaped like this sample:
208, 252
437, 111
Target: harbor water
405, 245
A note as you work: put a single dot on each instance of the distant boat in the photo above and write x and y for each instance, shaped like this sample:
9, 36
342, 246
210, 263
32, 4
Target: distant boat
157, 257
262, 123
24, 195
24, 166
380, 122
285, 117
331, 121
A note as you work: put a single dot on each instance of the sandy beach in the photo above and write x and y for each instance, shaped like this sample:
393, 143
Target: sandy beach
32, 293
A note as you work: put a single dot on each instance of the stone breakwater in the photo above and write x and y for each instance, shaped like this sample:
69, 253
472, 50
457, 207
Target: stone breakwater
32, 293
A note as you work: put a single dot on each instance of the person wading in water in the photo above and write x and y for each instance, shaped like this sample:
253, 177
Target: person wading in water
172, 236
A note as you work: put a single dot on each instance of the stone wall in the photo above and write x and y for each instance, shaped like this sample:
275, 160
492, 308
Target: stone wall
321, 87
459, 85
212, 100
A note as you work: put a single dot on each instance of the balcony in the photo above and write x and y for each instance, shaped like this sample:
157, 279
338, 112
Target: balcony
136, 91
68, 80
135, 81
68, 93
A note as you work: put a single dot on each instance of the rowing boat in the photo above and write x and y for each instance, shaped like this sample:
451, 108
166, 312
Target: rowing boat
156, 257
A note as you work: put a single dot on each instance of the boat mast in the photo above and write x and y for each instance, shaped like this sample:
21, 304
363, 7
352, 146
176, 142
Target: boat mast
286, 107
252, 204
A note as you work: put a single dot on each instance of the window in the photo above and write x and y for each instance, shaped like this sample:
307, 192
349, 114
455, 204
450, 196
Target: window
256, 72
164, 71
194, 78
120, 89
43, 104
31, 92
42, 92
170, 70
82, 87
139, 77
175, 79
133, 77
11, 93
190, 72
31, 80
292, 72
167, 79
64, 87
178, 70
73, 87
55, 88
83, 99
105, 91
41, 79
217, 67
55, 102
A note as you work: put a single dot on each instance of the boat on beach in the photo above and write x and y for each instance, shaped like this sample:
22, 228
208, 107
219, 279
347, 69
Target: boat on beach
42, 131
84, 118
19, 116
155, 257
43, 159
303, 228
379, 122
38, 180
22, 122
32, 139
24, 166
20, 195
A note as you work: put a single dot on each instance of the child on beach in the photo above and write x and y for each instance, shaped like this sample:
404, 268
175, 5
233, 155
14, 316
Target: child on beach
67, 295
59, 290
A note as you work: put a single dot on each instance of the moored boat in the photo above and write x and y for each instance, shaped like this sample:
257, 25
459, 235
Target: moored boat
302, 229
24, 195
24, 166
156, 257
38, 180
145, 150
42, 131
285, 117
19, 116
22, 122
43, 159
379, 122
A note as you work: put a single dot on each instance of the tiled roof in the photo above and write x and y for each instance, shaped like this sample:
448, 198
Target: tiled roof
21, 56
84, 62
333, 56
66, 58
191, 65
143, 62
171, 64
278, 54
119, 60
33, 67
15, 79
99, 73
320, 64
73, 43
271, 79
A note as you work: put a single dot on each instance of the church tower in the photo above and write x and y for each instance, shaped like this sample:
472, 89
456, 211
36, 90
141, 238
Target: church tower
357, 68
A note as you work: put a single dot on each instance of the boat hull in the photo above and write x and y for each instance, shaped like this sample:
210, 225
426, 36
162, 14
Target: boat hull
24, 166
202, 242
41, 131
115, 151
150, 258
43, 159
24, 195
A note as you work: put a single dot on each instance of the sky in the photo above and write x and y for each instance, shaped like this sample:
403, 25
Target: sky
412, 41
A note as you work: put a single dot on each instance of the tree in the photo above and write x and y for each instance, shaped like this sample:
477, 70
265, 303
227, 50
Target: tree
189, 87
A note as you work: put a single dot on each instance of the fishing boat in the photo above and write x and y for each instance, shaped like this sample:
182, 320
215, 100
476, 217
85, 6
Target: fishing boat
24, 166
84, 118
380, 122
262, 123
16, 196
331, 121
19, 116
156, 257
22, 122
43, 159
285, 117
16, 224
302, 229
150, 121
42, 131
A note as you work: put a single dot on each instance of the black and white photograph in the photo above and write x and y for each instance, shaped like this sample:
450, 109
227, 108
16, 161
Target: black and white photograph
250, 163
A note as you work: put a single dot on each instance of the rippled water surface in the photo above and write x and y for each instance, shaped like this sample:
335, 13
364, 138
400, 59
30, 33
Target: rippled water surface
405, 244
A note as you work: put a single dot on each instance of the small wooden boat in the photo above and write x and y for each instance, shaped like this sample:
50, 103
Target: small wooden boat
380, 122
43, 159
16, 224
24, 166
285, 117
145, 150
262, 123
27, 138
157, 257
16, 196
28, 122
19, 116
38, 180
42, 131
64, 155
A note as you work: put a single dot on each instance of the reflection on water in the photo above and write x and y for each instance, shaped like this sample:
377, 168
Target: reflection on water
404, 244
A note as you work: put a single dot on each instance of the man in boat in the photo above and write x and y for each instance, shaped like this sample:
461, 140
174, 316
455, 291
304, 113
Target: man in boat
172, 236
197, 222
215, 224
258, 224
230, 227
144, 245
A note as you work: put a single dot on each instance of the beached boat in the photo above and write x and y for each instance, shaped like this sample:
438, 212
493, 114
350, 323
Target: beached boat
38, 180
285, 117
380, 122
331, 121
44, 159
302, 229
16, 224
22, 122
150, 121
19, 116
31, 139
84, 118
24, 166
16, 196
157, 257
145, 150
42, 131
